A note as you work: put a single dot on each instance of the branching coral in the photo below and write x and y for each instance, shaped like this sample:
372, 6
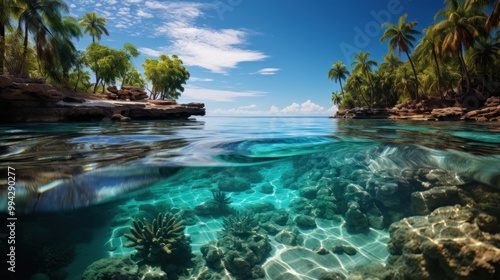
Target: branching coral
240, 224
222, 201
155, 240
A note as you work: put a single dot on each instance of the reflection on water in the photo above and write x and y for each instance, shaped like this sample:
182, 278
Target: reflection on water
322, 190
93, 155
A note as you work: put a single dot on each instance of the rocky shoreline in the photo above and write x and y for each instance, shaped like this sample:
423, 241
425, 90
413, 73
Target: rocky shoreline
430, 109
31, 100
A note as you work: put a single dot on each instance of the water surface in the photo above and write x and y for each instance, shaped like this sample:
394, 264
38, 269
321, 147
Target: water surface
121, 166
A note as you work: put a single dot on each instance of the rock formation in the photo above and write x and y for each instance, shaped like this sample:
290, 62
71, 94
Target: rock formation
31, 100
452, 242
430, 108
127, 92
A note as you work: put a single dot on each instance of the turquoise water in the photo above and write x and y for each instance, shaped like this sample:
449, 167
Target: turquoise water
89, 180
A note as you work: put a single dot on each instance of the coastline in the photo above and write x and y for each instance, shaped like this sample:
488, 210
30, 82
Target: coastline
429, 109
31, 100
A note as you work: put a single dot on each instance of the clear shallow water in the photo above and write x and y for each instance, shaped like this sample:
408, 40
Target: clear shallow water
61, 167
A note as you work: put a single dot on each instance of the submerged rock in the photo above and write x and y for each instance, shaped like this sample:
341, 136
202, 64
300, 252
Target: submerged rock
447, 244
267, 189
308, 192
111, 268
306, 222
331, 275
236, 184
239, 255
423, 203
355, 220
291, 238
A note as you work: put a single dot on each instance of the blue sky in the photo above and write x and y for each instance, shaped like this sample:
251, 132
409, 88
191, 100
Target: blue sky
255, 57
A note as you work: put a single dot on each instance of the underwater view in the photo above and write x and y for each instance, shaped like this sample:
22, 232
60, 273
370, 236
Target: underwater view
254, 198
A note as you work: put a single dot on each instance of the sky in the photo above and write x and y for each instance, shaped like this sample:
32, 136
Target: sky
255, 57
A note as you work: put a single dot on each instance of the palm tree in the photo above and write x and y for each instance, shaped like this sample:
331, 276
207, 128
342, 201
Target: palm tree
356, 85
338, 72
461, 24
7, 8
494, 18
401, 36
58, 54
387, 73
94, 25
336, 98
391, 61
42, 19
429, 43
484, 54
364, 65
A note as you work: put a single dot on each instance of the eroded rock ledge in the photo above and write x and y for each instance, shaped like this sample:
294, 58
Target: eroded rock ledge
432, 109
31, 100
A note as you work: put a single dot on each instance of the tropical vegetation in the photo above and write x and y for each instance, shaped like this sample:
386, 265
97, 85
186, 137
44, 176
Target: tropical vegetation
457, 56
37, 39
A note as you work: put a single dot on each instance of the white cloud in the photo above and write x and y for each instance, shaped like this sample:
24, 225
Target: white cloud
150, 52
204, 94
177, 11
253, 106
144, 14
215, 50
268, 71
124, 11
307, 108
195, 79
72, 6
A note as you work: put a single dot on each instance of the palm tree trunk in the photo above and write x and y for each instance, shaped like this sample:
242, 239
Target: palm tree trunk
364, 99
25, 50
2, 48
464, 68
438, 71
416, 76
372, 90
77, 80
341, 89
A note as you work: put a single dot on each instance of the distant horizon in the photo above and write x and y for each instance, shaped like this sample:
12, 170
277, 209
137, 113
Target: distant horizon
254, 57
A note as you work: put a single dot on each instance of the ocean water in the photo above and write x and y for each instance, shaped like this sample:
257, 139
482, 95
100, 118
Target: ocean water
78, 186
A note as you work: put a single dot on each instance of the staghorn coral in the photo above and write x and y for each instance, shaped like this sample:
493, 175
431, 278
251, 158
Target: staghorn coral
156, 241
240, 224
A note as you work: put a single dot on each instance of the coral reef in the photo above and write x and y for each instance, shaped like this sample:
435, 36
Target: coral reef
222, 201
217, 206
452, 242
112, 268
122, 269
239, 250
234, 184
161, 241
240, 224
